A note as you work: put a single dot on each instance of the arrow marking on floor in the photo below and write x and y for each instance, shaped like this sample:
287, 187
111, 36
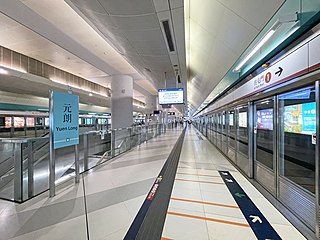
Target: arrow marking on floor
258, 223
240, 195
255, 218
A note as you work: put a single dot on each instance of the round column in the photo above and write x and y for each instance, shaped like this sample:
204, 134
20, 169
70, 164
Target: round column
121, 101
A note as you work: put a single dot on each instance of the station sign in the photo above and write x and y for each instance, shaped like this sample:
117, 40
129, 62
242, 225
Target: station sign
65, 119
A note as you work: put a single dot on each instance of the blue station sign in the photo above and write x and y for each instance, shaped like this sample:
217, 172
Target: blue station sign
65, 119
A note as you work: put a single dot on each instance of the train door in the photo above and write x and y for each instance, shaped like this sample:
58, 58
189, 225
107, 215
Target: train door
297, 152
264, 147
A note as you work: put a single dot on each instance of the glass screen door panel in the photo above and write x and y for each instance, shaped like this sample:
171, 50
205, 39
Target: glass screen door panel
264, 132
243, 138
224, 142
219, 131
264, 144
232, 135
297, 122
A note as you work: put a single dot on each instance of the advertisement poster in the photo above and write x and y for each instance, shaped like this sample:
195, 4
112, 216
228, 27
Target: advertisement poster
7, 122
18, 122
243, 119
265, 119
230, 119
30, 122
300, 118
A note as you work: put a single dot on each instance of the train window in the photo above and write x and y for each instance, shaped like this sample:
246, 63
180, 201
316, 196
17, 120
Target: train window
297, 128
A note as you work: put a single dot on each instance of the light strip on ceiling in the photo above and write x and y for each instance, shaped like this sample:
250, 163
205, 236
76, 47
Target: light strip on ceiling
80, 88
256, 48
14, 68
266, 37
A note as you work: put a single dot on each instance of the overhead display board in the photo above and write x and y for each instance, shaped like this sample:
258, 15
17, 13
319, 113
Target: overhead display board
170, 96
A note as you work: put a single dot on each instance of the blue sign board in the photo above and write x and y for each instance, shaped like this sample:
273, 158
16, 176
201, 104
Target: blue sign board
65, 123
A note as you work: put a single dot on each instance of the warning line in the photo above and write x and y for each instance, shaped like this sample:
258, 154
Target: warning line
207, 203
200, 175
185, 180
209, 219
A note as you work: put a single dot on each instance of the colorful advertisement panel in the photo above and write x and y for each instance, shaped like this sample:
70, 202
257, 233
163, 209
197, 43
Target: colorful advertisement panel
7, 121
265, 119
30, 122
300, 118
18, 122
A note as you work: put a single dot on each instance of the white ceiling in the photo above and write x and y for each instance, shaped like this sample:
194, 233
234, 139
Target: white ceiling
217, 33
99, 38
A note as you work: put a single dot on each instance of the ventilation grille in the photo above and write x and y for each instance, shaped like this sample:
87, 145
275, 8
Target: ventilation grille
14, 60
167, 32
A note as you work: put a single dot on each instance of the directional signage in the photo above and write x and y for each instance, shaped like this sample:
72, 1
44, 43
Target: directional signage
259, 224
65, 119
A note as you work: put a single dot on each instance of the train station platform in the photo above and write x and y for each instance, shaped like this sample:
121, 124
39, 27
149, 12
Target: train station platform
210, 199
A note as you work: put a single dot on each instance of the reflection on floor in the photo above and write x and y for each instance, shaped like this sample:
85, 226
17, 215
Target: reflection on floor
102, 205
201, 205
108, 198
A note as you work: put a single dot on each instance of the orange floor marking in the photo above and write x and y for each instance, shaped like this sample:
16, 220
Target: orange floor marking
202, 175
208, 203
185, 180
209, 219
163, 238
197, 168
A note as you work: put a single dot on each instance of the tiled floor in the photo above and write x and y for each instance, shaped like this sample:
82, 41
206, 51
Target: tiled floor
202, 207
111, 195
107, 199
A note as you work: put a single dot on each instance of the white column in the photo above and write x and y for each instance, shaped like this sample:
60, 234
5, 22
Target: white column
121, 101
151, 103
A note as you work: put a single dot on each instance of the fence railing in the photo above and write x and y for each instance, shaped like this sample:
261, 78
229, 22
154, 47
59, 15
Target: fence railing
24, 163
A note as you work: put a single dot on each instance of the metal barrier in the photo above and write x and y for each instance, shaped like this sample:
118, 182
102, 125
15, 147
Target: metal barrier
24, 163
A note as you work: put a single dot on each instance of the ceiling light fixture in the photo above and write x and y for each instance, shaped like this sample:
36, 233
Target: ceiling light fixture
13, 68
3, 71
266, 37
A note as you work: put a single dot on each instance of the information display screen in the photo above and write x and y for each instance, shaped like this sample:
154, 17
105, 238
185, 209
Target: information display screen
243, 119
300, 118
171, 96
265, 119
